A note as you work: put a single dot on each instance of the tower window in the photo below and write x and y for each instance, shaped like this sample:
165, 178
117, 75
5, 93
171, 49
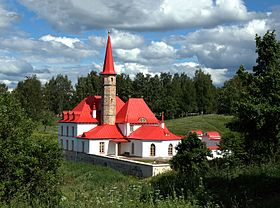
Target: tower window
72, 145
170, 150
67, 131
101, 147
73, 131
132, 148
112, 79
152, 150
67, 144
83, 146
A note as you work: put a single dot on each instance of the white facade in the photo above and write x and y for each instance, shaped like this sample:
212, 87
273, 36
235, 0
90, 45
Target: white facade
139, 148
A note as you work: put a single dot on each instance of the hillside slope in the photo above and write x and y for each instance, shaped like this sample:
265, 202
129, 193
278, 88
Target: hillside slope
211, 122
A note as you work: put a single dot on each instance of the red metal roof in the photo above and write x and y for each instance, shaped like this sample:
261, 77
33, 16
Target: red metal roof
153, 133
119, 140
82, 113
104, 131
213, 147
136, 110
108, 67
213, 135
198, 132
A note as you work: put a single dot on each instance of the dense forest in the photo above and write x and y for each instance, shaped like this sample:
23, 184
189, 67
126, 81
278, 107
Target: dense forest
176, 95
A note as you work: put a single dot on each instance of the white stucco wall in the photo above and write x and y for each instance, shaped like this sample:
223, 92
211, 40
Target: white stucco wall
161, 148
94, 147
81, 128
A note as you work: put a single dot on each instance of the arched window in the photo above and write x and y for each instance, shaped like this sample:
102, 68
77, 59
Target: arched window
170, 150
152, 150
132, 148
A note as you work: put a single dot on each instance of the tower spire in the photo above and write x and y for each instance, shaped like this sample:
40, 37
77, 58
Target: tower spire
108, 111
108, 66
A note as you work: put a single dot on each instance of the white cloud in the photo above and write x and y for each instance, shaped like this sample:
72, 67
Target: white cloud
218, 76
11, 66
47, 52
120, 40
222, 46
76, 15
7, 17
64, 40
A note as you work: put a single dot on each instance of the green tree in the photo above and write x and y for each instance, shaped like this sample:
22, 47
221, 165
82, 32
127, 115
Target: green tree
124, 86
89, 85
205, 92
29, 162
29, 93
258, 111
191, 158
58, 94
3, 88
228, 95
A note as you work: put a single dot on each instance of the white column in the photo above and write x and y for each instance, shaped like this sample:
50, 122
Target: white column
116, 149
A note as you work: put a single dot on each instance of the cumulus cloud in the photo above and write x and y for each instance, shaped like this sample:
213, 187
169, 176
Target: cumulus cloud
120, 39
218, 76
64, 40
222, 46
48, 49
12, 66
7, 17
141, 15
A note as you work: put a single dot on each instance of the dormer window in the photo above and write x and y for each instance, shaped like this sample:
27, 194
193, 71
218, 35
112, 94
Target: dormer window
142, 120
131, 128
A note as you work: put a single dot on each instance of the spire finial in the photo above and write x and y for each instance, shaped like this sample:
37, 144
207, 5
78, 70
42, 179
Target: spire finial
162, 117
108, 67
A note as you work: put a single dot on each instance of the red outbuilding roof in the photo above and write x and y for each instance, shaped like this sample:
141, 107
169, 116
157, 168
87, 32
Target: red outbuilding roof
82, 113
153, 133
108, 67
136, 110
104, 131
198, 132
213, 147
213, 135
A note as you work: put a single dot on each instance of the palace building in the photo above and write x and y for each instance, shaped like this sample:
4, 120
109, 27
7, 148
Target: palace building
105, 125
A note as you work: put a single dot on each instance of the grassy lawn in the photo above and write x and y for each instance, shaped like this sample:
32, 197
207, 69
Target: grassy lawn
87, 185
210, 122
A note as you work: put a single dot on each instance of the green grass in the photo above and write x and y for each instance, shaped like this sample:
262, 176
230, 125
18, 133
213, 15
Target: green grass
210, 122
87, 185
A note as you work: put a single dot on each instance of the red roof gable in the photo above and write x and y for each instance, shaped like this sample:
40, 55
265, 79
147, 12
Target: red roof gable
136, 110
213, 147
153, 133
213, 135
198, 132
82, 113
104, 131
108, 67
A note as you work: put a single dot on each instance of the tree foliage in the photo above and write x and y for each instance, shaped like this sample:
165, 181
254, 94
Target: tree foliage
58, 94
29, 93
205, 92
28, 162
191, 157
258, 110
3, 88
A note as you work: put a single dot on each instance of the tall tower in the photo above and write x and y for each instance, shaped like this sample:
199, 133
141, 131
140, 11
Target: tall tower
108, 112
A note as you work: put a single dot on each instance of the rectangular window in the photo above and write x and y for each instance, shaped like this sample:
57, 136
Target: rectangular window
67, 144
61, 143
61, 130
131, 128
102, 147
73, 131
67, 131
83, 146
72, 145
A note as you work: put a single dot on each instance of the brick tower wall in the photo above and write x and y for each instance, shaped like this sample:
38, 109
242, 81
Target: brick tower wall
109, 100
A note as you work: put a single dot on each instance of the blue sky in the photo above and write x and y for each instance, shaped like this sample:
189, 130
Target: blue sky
68, 37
